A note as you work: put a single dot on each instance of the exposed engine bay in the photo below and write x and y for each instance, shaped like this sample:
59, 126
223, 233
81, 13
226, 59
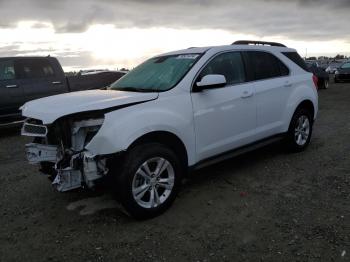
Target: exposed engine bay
59, 148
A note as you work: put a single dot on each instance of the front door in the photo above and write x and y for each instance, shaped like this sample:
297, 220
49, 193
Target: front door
224, 118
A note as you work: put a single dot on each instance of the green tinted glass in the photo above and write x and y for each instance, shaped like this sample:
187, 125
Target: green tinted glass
157, 74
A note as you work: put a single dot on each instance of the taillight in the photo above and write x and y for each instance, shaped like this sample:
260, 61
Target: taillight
315, 79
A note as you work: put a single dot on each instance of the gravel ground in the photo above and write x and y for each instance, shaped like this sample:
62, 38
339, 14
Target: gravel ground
266, 205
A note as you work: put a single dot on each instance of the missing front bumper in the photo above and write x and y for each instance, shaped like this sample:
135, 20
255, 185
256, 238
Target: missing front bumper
67, 179
71, 171
37, 153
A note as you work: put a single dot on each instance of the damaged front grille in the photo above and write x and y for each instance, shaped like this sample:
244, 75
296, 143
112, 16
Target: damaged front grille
34, 130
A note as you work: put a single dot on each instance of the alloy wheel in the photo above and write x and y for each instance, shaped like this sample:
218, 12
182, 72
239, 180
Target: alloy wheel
302, 130
153, 182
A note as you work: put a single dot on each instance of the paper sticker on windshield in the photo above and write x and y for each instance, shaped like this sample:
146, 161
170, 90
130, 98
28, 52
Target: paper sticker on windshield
190, 56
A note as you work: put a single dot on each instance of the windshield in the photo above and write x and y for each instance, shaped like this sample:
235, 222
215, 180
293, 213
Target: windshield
157, 74
346, 66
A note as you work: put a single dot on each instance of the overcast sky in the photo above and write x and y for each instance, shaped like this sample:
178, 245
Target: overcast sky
118, 33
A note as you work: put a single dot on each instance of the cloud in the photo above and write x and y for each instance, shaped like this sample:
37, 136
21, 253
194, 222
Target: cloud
55, 26
305, 19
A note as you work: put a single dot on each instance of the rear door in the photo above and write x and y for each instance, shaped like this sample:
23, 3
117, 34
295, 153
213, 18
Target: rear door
272, 89
38, 78
11, 93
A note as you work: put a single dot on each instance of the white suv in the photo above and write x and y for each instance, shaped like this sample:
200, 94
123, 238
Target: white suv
175, 112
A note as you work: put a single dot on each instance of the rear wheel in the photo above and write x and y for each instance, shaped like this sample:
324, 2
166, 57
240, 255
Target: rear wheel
325, 84
300, 130
148, 182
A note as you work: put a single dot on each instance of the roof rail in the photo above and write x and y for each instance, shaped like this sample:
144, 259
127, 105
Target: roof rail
249, 42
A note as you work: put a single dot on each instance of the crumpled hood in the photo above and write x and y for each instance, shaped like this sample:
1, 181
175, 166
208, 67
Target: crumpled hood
51, 108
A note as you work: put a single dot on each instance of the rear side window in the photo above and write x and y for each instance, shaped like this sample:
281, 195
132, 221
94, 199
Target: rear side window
228, 64
34, 68
7, 70
263, 65
295, 57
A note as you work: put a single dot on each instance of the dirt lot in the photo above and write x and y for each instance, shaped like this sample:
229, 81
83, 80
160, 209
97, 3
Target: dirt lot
264, 206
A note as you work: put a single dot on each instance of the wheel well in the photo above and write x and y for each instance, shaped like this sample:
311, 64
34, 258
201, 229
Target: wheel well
307, 104
167, 139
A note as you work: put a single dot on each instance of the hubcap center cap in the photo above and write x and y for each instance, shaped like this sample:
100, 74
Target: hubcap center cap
153, 181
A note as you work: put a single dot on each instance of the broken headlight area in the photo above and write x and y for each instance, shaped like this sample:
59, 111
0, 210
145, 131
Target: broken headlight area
61, 151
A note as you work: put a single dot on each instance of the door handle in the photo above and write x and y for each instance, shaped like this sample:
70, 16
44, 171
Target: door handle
246, 94
12, 86
56, 82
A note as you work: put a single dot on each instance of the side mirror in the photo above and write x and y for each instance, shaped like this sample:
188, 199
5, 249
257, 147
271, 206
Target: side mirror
211, 81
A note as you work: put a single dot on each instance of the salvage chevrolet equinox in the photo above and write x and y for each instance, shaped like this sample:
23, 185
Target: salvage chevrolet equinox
175, 112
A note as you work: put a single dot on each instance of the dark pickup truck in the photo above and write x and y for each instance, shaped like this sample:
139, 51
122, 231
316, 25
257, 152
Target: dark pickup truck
26, 78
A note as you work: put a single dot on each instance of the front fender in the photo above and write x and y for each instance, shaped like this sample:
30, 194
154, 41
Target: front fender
122, 127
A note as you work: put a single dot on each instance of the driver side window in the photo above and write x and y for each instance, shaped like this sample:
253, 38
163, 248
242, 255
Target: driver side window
228, 64
7, 70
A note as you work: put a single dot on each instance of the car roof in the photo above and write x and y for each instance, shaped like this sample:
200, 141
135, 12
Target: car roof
26, 57
216, 49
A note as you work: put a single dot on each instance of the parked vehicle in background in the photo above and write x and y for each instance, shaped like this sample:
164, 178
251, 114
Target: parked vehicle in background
177, 111
323, 64
343, 73
332, 67
322, 76
91, 71
27, 78
93, 81
312, 62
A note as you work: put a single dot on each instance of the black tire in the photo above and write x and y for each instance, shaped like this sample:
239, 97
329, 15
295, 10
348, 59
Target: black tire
325, 84
291, 137
133, 160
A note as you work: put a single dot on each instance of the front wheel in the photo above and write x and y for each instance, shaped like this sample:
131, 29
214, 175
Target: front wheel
149, 180
300, 130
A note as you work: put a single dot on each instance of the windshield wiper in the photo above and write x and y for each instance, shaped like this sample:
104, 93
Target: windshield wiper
133, 89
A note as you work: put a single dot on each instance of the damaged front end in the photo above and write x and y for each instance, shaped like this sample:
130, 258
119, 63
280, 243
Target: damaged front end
59, 149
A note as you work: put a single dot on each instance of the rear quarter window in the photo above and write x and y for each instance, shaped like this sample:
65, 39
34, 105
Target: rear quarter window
296, 58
